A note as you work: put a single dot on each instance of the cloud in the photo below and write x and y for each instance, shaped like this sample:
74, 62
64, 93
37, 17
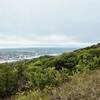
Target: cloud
49, 22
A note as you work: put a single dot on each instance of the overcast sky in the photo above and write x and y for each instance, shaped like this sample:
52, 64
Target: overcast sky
57, 23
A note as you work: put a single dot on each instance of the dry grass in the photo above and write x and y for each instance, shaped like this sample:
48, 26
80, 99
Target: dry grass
81, 87
84, 86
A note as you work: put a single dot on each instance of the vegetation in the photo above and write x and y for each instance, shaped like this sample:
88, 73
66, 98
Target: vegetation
36, 78
84, 86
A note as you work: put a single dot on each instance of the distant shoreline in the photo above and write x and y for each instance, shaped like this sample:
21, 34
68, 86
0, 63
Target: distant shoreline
29, 58
14, 55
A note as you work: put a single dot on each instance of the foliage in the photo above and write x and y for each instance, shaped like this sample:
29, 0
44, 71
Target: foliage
84, 86
46, 71
41, 77
8, 80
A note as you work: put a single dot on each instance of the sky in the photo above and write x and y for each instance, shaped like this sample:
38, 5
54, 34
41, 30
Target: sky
49, 23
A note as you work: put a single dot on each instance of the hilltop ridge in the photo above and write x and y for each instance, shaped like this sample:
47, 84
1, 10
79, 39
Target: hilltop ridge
90, 47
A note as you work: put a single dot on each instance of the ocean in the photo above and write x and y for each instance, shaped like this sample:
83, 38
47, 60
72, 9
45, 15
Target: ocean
17, 54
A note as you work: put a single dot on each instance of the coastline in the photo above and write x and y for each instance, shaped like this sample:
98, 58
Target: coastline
28, 58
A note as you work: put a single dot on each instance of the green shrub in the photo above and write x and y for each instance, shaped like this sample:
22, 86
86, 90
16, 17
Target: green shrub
41, 77
8, 80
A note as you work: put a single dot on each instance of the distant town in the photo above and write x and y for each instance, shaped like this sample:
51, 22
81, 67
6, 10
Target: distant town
11, 55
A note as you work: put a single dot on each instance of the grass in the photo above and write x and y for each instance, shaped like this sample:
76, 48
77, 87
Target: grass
85, 86
81, 87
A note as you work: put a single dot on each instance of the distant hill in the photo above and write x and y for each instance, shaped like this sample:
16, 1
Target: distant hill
90, 47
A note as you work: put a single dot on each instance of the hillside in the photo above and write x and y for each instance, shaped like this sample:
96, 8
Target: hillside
35, 78
85, 86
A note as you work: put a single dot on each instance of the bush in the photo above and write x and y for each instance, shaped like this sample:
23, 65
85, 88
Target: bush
42, 77
7, 80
